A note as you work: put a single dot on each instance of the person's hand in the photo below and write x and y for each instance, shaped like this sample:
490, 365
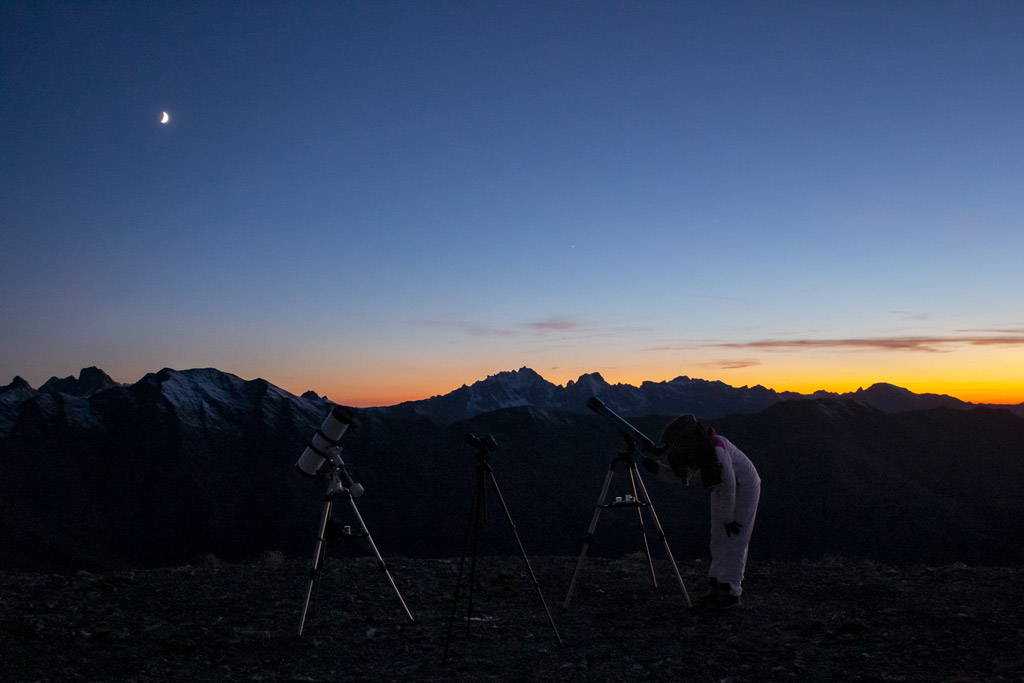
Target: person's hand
650, 464
732, 528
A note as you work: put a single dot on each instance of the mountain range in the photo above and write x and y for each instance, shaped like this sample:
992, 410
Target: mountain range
97, 474
706, 399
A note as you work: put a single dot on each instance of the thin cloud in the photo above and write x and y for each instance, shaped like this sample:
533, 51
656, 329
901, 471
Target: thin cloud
925, 344
1011, 331
678, 347
538, 328
732, 364
471, 328
910, 315
484, 331
554, 325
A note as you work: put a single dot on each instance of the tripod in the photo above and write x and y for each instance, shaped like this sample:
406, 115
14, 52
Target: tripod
634, 501
340, 484
485, 474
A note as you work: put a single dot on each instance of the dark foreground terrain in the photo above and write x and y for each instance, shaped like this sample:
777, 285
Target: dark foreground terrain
833, 620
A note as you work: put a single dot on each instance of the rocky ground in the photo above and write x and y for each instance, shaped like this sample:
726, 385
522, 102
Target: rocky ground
831, 620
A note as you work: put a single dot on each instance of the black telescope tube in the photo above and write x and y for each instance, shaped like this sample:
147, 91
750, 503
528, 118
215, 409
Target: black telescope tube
627, 430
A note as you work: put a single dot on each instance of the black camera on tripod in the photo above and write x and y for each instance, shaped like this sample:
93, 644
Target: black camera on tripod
485, 443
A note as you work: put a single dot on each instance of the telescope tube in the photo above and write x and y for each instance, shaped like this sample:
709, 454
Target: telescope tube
328, 435
628, 431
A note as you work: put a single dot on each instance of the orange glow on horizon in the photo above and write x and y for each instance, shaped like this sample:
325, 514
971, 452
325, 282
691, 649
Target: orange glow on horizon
389, 376
362, 396
977, 375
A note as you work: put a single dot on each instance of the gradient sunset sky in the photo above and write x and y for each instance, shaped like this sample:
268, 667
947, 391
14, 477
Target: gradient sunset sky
382, 201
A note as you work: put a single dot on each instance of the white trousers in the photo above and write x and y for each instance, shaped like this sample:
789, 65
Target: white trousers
729, 553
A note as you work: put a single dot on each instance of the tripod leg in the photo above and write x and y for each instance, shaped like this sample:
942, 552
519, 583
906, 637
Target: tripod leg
471, 531
661, 535
479, 510
522, 551
318, 553
380, 560
633, 476
590, 533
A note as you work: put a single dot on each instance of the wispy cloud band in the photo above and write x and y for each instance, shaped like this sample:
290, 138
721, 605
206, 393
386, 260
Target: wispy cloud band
560, 327
527, 329
929, 344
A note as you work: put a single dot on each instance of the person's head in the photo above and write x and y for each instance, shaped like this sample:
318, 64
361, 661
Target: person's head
689, 446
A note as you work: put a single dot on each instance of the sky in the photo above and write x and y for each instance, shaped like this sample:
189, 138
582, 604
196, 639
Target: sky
383, 201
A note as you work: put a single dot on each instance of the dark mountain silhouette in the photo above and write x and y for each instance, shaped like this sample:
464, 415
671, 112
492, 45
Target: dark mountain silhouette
893, 399
90, 381
704, 398
184, 463
526, 387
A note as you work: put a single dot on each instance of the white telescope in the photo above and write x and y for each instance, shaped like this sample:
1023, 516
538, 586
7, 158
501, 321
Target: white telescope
329, 434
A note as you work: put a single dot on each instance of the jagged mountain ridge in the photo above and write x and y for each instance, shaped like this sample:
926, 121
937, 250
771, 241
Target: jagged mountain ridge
187, 462
526, 387
197, 395
89, 381
706, 399
147, 469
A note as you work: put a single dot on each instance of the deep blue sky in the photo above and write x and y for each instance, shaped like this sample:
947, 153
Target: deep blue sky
384, 201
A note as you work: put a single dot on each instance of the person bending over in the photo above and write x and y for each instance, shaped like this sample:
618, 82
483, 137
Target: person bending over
692, 447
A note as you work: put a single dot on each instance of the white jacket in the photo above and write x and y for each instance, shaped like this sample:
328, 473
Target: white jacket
738, 474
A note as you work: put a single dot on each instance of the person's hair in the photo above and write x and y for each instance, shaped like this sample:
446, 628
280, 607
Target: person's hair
690, 445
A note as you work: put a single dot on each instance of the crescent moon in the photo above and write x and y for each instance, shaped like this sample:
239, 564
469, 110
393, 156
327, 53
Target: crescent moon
165, 118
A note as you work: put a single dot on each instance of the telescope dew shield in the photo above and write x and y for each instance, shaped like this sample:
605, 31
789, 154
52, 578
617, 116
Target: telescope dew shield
328, 435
